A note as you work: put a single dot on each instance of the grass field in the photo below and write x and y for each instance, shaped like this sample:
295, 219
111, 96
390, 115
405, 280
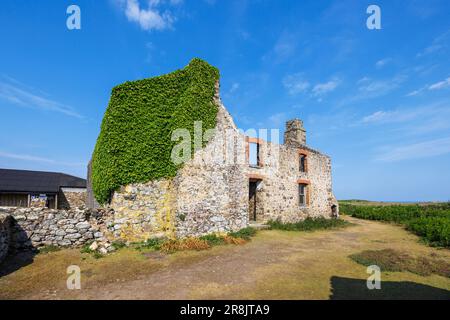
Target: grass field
430, 221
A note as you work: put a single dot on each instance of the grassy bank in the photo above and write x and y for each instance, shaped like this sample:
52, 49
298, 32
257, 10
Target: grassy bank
431, 221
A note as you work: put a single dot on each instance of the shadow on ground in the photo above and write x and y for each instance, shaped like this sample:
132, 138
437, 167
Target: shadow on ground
17, 257
16, 261
356, 289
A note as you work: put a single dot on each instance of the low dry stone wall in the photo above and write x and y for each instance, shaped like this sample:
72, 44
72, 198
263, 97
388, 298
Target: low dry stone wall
5, 235
37, 227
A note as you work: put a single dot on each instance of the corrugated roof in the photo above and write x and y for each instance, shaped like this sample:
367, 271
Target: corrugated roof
37, 181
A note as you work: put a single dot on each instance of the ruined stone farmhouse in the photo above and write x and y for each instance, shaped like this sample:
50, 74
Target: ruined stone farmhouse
137, 187
229, 183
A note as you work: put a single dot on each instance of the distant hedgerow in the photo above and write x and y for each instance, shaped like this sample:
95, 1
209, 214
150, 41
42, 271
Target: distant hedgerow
430, 222
135, 144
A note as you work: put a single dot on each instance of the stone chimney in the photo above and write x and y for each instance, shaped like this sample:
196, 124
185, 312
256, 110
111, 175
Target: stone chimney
295, 134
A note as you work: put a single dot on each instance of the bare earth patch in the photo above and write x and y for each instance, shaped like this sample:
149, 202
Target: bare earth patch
273, 265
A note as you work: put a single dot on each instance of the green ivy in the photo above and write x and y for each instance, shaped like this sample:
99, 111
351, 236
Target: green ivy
135, 144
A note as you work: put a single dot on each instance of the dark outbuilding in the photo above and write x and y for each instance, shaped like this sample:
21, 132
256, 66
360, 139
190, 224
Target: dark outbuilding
23, 188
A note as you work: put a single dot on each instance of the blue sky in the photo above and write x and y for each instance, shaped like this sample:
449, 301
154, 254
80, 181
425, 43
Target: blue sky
376, 101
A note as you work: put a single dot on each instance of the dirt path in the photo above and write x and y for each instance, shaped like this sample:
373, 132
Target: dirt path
274, 265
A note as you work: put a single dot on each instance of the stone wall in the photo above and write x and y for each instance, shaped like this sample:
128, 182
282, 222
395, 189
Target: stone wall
5, 235
212, 188
37, 227
209, 194
278, 193
143, 211
72, 198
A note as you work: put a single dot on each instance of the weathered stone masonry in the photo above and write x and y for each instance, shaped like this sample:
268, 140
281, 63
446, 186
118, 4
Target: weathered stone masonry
208, 194
29, 228
279, 177
5, 235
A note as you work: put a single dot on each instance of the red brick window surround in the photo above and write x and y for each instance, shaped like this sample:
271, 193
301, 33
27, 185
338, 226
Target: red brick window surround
303, 161
304, 191
253, 145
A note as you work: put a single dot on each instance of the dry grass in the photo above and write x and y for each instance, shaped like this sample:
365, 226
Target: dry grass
185, 244
233, 240
393, 260
274, 265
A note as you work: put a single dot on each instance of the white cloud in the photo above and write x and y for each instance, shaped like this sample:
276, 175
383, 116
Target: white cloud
436, 86
234, 87
26, 157
323, 88
376, 117
152, 17
424, 149
22, 96
414, 121
381, 63
416, 92
284, 48
295, 83
405, 114
440, 43
440, 85
277, 120
374, 88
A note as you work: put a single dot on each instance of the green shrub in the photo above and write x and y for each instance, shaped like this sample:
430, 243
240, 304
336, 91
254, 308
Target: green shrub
85, 248
48, 249
213, 240
309, 224
153, 244
245, 233
434, 230
118, 244
135, 144
430, 222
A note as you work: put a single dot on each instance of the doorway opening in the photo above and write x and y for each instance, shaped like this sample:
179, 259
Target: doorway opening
253, 201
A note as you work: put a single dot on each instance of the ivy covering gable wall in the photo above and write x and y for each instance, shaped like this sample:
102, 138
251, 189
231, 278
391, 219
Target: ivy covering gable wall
134, 144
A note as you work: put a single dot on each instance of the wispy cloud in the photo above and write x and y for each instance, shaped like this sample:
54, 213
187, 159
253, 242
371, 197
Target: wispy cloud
395, 116
152, 17
277, 120
439, 44
234, 87
440, 85
381, 63
20, 95
413, 121
440, 109
31, 158
435, 86
296, 84
375, 88
323, 88
368, 88
283, 49
426, 149
376, 117
416, 92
